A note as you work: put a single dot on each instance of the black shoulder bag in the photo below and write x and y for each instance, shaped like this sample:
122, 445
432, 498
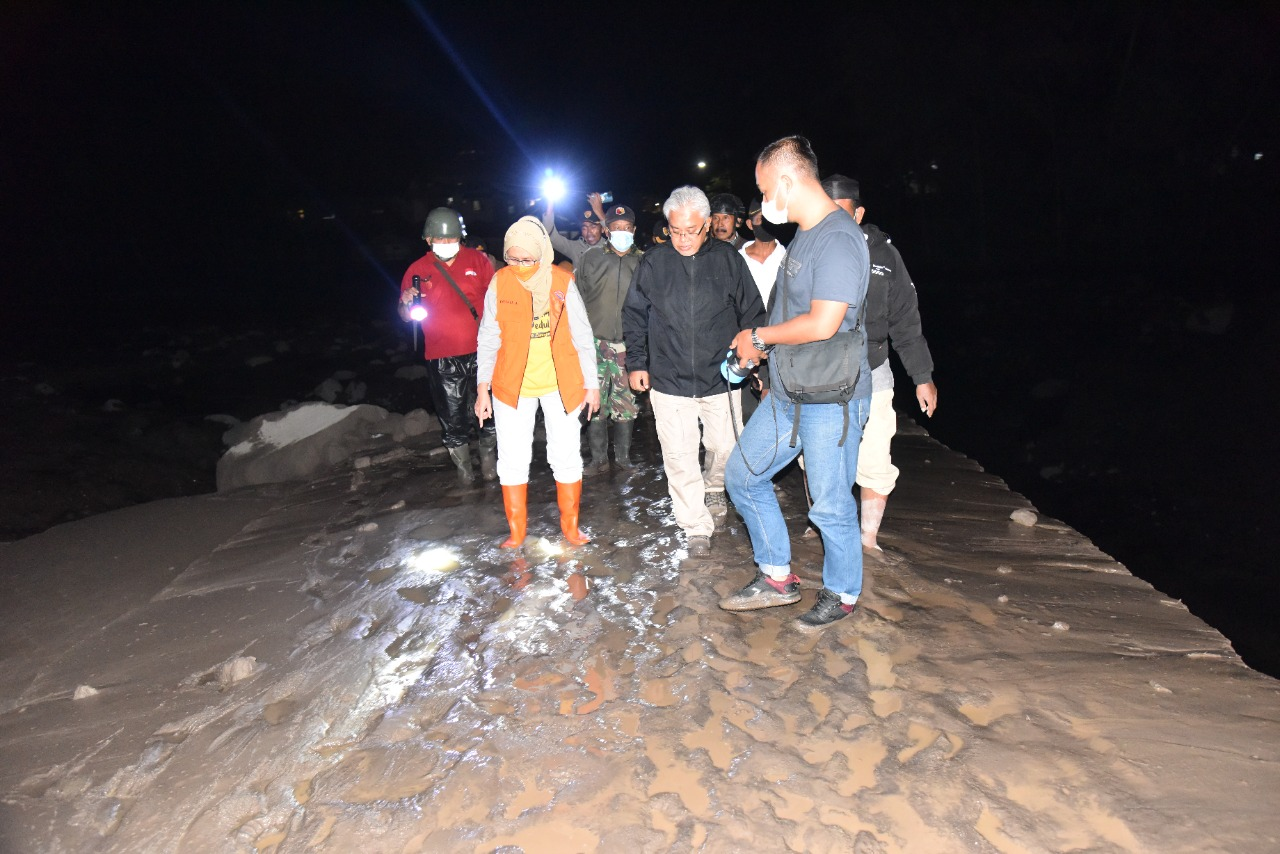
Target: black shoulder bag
819, 371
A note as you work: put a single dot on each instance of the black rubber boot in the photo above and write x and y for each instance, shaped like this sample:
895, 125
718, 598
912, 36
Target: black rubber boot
598, 441
622, 432
489, 457
461, 457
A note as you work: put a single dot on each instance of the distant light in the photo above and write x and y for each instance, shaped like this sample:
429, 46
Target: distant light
434, 560
418, 313
702, 164
933, 164
1257, 155
449, 200
553, 189
302, 214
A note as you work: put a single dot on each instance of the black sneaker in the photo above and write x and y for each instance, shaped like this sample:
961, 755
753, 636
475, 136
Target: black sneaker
763, 592
824, 612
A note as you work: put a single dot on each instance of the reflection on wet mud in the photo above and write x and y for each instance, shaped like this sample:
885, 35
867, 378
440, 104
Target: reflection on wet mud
455, 696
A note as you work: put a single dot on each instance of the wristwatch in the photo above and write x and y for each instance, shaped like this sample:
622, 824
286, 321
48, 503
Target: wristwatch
757, 343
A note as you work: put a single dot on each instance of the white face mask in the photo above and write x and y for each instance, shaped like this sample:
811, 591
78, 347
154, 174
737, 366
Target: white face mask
445, 251
621, 240
770, 210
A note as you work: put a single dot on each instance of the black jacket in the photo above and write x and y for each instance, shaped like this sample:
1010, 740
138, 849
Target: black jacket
892, 310
682, 313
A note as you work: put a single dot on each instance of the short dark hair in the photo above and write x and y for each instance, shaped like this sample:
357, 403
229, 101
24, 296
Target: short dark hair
839, 187
794, 151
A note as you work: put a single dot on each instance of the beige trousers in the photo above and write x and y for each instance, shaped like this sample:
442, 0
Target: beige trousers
875, 466
677, 420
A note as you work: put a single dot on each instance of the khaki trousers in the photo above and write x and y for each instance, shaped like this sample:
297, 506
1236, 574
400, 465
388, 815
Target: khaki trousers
677, 420
875, 466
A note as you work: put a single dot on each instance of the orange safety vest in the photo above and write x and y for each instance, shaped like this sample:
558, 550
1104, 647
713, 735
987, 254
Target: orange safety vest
515, 323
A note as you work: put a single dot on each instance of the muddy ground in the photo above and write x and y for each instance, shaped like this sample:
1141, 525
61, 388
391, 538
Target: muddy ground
353, 664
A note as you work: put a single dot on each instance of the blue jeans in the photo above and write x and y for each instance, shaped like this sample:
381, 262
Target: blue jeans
831, 471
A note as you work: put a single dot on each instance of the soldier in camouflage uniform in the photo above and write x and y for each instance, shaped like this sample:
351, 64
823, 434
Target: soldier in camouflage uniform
604, 279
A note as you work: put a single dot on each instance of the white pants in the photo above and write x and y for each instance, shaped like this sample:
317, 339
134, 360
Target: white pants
677, 421
875, 467
515, 439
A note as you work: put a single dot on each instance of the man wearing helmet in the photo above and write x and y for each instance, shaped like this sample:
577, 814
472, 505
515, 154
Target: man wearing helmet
726, 216
449, 282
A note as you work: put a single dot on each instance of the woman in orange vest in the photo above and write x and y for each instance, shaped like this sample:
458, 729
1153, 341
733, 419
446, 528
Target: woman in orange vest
535, 349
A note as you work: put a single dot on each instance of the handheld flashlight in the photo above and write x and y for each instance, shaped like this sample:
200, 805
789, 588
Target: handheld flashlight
733, 372
417, 311
553, 189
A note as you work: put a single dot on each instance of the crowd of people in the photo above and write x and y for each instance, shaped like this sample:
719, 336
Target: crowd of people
589, 340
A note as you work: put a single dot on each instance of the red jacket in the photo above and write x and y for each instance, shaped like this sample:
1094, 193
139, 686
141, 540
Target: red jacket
449, 329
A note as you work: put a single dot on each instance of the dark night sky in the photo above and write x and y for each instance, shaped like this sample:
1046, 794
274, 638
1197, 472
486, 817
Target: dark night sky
140, 134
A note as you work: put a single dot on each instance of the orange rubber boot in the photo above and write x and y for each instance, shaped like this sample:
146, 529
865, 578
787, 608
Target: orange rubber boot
568, 495
515, 500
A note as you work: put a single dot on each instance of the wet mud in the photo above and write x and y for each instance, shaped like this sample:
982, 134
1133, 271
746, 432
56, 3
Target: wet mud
361, 668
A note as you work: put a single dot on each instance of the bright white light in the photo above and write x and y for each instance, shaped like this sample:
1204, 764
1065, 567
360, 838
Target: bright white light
418, 313
553, 189
1257, 155
434, 560
702, 164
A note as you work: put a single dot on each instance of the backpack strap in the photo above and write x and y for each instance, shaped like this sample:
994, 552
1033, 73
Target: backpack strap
795, 425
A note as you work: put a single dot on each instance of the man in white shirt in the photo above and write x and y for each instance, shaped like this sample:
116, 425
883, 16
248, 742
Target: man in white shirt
764, 254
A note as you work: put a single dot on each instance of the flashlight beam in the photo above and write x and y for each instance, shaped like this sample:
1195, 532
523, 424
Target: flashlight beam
553, 189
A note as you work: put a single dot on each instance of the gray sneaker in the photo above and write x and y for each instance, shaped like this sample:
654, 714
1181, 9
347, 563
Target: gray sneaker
717, 503
763, 592
699, 546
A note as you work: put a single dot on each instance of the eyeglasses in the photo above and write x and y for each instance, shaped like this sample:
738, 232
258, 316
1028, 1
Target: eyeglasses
521, 262
682, 235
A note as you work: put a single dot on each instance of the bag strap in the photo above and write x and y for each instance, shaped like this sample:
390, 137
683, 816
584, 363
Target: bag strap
445, 270
786, 277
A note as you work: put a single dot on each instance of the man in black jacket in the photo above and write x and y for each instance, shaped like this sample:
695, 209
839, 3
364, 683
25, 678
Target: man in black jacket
688, 299
893, 315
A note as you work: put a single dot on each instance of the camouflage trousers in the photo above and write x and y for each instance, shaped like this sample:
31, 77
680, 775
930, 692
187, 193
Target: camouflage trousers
617, 402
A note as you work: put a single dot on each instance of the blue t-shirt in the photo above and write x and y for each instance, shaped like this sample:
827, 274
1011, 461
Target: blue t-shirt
827, 262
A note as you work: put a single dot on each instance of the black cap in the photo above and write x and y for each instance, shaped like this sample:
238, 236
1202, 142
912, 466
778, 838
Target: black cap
726, 203
837, 186
660, 230
620, 212
589, 216
756, 204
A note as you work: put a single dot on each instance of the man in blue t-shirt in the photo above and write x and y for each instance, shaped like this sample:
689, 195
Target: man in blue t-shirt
825, 276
